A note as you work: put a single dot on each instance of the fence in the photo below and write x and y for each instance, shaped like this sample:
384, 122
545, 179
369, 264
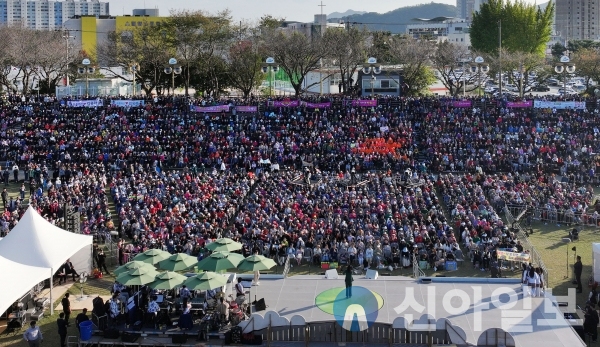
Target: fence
332, 332
535, 257
559, 216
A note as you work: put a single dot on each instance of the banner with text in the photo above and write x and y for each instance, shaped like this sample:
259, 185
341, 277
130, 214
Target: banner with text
127, 103
317, 104
513, 256
210, 109
364, 103
461, 103
246, 109
560, 105
519, 104
85, 103
285, 103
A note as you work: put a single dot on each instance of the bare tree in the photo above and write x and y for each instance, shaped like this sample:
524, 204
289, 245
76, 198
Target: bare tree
244, 66
413, 58
346, 51
145, 47
296, 54
451, 62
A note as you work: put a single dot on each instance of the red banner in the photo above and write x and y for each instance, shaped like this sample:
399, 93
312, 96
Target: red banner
519, 104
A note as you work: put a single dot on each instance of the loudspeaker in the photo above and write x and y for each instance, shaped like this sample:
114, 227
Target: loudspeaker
331, 274
372, 274
260, 305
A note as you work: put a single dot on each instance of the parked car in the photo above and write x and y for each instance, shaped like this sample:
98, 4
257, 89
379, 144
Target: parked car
553, 82
541, 88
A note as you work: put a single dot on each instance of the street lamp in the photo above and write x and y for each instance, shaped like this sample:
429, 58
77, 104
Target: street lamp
173, 69
371, 67
36, 85
270, 67
564, 67
86, 69
479, 67
134, 68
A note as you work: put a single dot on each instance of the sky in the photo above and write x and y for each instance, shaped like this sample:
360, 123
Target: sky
298, 10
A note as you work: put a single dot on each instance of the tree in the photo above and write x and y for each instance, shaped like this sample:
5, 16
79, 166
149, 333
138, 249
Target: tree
521, 64
295, 54
450, 61
347, 50
197, 38
244, 66
576, 45
269, 22
558, 50
413, 56
144, 46
587, 61
525, 27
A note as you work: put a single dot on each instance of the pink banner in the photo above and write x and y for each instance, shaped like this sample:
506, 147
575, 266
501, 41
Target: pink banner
286, 103
248, 109
461, 103
317, 104
519, 104
364, 103
211, 109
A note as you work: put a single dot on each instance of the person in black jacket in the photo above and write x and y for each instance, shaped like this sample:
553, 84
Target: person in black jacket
590, 324
62, 328
66, 305
578, 267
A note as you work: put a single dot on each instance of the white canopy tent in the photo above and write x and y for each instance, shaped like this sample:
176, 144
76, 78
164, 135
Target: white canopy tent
596, 261
32, 252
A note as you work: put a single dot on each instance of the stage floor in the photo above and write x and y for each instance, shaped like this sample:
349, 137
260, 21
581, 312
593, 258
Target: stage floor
472, 306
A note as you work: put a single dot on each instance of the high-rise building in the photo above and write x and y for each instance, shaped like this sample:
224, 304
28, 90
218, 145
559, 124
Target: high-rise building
466, 8
578, 19
47, 14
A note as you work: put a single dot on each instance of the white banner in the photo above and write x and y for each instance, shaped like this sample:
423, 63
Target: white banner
85, 103
559, 105
127, 103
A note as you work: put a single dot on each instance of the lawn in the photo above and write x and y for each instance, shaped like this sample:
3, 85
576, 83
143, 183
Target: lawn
547, 239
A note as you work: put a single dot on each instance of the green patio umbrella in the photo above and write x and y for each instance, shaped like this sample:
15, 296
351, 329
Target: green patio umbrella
256, 263
152, 256
205, 281
224, 245
132, 265
220, 261
137, 277
178, 262
167, 280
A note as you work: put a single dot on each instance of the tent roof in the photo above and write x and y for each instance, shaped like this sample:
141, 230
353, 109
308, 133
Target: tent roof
17, 280
36, 242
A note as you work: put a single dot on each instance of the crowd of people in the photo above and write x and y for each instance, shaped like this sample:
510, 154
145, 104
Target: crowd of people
345, 184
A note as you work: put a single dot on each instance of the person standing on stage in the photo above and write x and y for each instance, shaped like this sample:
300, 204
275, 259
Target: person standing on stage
349, 279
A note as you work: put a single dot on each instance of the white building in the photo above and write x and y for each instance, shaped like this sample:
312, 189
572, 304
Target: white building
442, 29
314, 29
466, 8
47, 14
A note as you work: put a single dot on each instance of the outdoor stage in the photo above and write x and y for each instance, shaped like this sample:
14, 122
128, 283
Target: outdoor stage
469, 305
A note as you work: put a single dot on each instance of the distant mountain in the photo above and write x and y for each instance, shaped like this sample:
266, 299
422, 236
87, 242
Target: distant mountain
395, 21
335, 15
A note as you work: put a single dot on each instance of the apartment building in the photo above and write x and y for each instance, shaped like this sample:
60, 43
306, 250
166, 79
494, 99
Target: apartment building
578, 19
47, 14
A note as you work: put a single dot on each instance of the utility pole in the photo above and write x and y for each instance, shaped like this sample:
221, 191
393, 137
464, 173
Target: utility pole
500, 55
67, 36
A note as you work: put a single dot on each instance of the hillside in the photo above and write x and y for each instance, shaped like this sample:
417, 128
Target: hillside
396, 20
344, 14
